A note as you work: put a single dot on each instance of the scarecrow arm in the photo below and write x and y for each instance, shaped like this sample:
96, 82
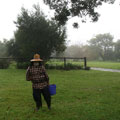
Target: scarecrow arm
28, 77
46, 75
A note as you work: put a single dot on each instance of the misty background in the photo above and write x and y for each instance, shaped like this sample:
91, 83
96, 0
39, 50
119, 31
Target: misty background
96, 41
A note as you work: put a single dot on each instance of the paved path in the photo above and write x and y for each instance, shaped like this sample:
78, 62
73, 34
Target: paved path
104, 69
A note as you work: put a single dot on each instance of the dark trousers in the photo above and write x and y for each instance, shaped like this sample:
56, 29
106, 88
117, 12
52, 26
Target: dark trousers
37, 96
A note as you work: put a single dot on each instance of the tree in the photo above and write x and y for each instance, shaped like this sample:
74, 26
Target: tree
3, 48
102, 44
74, 51
64, 9
117, 50
36, 34
91, 52
81, 51
12, 48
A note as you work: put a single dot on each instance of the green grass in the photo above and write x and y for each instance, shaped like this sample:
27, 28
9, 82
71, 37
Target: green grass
98, 64
61, 62
101, 64
81, 95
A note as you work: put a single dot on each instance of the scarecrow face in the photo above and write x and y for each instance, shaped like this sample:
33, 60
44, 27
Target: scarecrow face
36, 63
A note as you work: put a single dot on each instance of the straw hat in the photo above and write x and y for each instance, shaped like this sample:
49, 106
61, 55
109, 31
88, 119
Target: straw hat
36, 58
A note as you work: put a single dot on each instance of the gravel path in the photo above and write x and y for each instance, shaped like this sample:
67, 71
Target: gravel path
104, 69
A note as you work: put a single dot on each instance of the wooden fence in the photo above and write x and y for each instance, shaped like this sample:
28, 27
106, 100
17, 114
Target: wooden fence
62, 58
66, 58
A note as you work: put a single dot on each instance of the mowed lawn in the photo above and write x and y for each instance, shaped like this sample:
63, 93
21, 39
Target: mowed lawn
98, 64
81, 95
103, 64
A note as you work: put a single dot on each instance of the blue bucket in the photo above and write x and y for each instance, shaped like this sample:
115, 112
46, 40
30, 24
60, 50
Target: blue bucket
52, 89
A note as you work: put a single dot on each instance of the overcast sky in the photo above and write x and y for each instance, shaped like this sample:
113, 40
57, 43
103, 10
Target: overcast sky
109, 21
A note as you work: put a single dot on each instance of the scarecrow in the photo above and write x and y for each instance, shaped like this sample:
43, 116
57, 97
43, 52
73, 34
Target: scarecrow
36, 73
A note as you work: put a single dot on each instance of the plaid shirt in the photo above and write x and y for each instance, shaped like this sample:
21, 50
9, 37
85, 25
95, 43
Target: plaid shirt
38, 76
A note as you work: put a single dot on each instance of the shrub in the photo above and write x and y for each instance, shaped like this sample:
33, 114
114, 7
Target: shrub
87, 68
4, 63
23, 65
13, 65
60, 67
48, 66
69, 66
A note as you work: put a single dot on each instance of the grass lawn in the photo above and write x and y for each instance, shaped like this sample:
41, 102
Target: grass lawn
81, 95
100, 64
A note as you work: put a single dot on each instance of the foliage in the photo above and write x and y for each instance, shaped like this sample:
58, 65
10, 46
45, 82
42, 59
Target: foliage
13, 65
64, 9
103, 45
117, 50
12, 48
74, 51
4, 63
36, 34
98, 64
23, 65
81, 95
3, 48
69, 66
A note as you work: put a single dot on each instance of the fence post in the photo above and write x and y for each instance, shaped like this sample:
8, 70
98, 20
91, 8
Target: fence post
64, 63
85, 62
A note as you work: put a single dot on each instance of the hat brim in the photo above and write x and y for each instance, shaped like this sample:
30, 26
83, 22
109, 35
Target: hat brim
36, 60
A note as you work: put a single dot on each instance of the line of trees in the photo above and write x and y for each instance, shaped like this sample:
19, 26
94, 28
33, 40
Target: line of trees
101, 47
37, 34
3, 48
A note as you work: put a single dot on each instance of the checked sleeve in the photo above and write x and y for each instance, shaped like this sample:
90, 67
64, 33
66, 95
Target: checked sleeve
45, 73
28, 77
